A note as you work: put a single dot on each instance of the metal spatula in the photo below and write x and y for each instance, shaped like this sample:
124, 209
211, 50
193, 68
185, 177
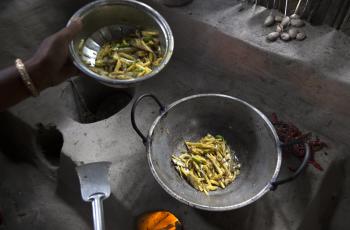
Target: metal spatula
95, 187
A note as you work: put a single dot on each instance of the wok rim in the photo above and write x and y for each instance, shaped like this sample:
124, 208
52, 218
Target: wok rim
198, 205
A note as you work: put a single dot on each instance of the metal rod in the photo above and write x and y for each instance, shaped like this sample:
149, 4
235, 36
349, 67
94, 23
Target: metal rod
274, 1
297, 7
269, 5
285, 8
305, 7
255, 4
97, 212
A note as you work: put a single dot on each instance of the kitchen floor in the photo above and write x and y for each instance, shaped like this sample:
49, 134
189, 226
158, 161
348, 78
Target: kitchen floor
29, 200
301, 82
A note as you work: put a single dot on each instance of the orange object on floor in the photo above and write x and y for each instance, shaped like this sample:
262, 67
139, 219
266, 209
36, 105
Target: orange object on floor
158, 220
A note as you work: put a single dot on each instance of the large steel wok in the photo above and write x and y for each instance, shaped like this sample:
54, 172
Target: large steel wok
247, 130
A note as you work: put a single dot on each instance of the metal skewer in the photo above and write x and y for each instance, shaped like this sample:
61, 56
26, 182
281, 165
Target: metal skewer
270, 19
305, 7
255, 4
285, 8
296, 9
274, 3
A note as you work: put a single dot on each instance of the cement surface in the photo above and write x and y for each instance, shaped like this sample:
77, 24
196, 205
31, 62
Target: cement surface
217, 49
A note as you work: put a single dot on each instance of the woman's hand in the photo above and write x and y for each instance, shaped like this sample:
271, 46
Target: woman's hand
51, 65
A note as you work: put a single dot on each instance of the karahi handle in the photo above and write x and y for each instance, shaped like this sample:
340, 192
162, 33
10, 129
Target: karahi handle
303, 165
133, 110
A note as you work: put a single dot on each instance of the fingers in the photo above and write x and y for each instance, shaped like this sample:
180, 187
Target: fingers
71, 30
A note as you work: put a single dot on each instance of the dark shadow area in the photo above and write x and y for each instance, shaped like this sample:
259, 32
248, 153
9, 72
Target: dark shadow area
27, 178
88, 101
20, 142
340, 219
321, 209
68, 188
17, 139
50, 140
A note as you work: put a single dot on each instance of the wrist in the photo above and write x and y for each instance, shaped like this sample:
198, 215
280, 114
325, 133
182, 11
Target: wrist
34, 68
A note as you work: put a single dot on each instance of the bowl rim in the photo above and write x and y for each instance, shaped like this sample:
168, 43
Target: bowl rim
252, 199
159, 19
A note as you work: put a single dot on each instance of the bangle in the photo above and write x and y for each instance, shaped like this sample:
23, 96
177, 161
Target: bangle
25, 77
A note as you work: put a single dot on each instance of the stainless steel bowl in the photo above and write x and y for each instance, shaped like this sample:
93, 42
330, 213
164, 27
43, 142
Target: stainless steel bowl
107, 20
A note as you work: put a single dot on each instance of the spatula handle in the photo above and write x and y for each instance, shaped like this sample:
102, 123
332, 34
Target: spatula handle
97, 211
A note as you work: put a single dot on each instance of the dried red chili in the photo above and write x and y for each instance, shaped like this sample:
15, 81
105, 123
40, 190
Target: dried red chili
288, 132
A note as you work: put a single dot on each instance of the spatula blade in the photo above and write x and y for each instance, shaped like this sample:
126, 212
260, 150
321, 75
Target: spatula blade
94, 179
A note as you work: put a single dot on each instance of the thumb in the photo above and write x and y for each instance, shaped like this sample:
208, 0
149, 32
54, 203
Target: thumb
71, 30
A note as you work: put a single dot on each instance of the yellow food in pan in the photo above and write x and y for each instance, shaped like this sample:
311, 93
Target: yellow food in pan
207, 164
